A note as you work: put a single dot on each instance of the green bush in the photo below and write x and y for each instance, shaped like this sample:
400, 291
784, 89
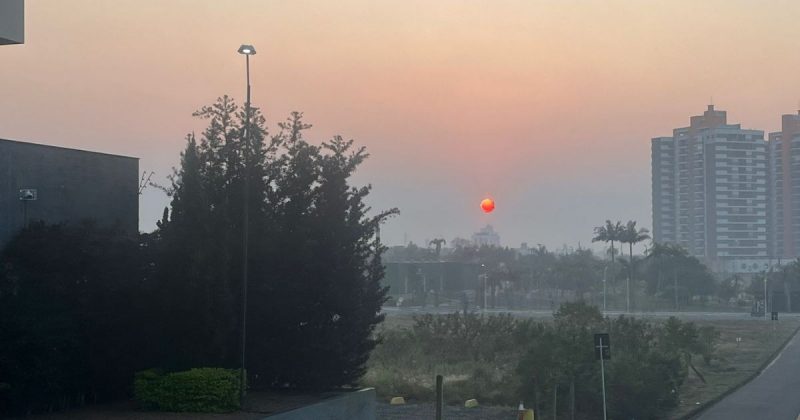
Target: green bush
476, 354
197, 390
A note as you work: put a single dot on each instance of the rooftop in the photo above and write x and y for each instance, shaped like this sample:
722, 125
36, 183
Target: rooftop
64, 148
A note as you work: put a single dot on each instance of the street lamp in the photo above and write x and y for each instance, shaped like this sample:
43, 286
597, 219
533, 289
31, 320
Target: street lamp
628, 295
483, 267
604, 289
766, 279
247, 50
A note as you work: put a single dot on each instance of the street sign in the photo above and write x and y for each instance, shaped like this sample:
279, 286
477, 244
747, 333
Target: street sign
774, 316
602, 351
602, 346
27, 194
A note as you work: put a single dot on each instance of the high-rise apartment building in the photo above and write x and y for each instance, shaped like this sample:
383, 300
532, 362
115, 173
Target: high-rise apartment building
784, 173
710, 192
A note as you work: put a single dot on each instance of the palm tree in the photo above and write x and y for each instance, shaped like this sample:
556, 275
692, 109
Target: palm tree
610, 232
438, 243
632, 236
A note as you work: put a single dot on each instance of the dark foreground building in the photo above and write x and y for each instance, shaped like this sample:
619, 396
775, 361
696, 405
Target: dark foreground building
56, 184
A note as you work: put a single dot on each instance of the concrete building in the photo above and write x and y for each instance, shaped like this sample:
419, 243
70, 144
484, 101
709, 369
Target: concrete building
12, 22
784, 172
710, 186
55, 184
486, 236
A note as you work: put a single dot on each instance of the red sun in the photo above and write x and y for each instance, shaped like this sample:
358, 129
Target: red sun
487, 205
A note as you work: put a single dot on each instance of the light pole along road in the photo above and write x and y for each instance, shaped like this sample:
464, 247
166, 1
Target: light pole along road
247, 50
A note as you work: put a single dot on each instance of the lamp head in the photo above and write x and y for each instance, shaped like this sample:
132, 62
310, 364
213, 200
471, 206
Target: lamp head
247, 50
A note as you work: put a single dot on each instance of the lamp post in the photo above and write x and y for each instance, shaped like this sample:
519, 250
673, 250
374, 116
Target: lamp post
483, 267
247, 50
766, 279
628, 295
604, 288
767, 270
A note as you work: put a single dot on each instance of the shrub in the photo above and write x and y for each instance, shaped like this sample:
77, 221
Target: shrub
456, 337
74, 301
475, 353
197, 390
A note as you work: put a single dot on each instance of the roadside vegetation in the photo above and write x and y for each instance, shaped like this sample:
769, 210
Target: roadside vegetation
736, 361
550, 365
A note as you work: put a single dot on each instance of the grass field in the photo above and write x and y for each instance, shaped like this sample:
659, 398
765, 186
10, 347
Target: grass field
738, 361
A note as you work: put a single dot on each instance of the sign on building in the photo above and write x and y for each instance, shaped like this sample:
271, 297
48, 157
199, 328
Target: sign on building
28, 194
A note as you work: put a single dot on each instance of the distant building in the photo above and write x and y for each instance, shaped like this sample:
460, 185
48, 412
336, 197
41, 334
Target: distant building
710, 186
12, 22
784, 212
56, 184
486, 236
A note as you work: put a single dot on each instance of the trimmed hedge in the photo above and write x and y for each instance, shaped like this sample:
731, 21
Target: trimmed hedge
213, 390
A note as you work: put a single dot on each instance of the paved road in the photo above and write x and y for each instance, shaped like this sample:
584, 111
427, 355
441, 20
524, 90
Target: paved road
539, 313
772, 395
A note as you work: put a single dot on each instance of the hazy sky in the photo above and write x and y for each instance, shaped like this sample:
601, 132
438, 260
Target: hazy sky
547, 106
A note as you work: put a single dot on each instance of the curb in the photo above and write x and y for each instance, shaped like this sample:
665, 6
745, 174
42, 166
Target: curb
692, 414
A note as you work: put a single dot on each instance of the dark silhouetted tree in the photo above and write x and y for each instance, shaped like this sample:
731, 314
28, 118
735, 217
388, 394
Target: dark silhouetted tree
610, 232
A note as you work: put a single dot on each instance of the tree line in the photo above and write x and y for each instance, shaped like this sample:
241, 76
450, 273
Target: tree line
665, 273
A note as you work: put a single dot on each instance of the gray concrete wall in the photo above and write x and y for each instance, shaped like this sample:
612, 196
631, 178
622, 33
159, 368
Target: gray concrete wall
72, 185
358, 405
12, 22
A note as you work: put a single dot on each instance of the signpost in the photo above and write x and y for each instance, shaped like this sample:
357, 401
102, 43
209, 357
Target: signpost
602, 351
439, 396
774, 318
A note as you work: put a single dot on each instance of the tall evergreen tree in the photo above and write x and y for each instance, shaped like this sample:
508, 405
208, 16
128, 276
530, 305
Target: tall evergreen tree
314, 268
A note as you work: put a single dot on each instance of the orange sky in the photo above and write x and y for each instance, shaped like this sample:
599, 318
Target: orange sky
548, 106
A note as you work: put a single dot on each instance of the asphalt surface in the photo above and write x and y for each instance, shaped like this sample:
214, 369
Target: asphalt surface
771, 395
541, 313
